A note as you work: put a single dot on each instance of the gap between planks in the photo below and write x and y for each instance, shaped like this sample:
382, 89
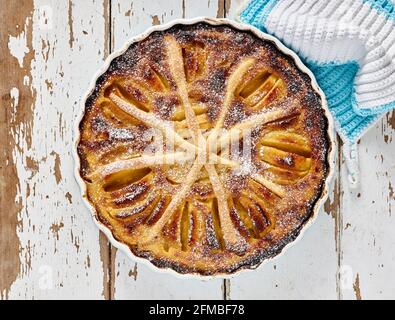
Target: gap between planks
107, 251
337, 194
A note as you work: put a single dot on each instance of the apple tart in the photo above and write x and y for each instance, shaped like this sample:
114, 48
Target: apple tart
204, 149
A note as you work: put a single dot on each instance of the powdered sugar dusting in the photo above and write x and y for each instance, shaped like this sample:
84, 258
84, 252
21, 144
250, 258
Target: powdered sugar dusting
145, 97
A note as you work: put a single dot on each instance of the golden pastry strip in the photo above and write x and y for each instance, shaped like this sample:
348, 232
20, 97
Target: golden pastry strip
233, 82
176, 63
275, 188
142, 162
166, 129
175, 202
231, 86
232, 238
239, 130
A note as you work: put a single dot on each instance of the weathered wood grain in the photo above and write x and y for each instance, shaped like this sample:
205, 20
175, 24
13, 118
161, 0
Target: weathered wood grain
15, 113
51, 55
368, 213
49, 246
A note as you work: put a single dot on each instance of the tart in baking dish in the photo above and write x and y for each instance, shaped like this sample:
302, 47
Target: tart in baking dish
204, 149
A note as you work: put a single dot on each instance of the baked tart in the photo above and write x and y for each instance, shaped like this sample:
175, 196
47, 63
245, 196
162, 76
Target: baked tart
204, 148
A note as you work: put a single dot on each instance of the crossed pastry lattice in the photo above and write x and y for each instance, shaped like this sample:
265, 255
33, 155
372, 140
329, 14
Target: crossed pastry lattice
202, 149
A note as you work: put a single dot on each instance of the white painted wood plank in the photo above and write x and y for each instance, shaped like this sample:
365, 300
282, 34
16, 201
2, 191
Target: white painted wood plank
307, 270
59, 244
368, 237
130, 18
137, 281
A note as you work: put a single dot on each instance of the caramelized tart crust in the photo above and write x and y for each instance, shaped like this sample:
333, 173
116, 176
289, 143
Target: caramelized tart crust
201, 86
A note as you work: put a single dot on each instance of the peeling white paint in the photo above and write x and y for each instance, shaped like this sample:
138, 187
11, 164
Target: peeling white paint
54, 265
26, 81
43, 245
18, 45
14, 93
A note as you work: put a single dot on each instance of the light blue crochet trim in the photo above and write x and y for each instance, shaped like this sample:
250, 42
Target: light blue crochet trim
336, 80
383, 6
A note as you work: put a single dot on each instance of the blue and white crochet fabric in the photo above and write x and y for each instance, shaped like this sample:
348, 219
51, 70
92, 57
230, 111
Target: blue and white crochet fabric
350, 47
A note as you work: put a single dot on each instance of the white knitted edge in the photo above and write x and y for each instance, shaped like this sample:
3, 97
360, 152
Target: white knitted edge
349, 147
244, 27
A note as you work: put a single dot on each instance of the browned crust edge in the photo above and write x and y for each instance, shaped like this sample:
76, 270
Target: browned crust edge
255, 260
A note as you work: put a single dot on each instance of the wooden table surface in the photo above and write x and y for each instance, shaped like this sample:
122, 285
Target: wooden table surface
49, 245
